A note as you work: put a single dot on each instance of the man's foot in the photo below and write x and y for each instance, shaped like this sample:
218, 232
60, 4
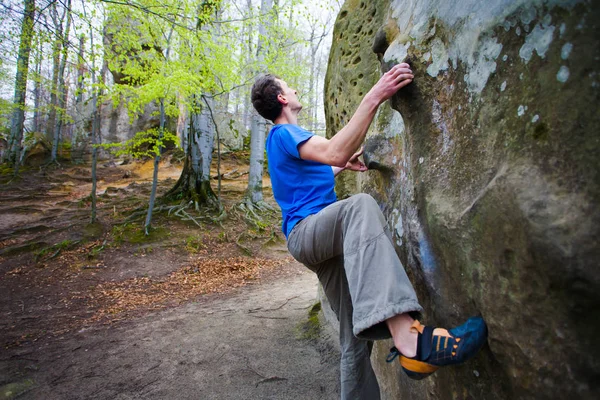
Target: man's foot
439, 347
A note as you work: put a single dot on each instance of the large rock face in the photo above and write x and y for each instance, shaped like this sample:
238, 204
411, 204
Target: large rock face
487, 169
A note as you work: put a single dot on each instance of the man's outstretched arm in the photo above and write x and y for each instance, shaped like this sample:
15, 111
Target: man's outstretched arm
338, 150
354, 164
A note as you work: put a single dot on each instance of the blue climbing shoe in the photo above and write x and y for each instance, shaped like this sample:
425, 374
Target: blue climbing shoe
437, 347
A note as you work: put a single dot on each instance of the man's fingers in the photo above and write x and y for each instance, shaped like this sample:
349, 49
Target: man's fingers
403, 83
400, 69
405, 76
401, 65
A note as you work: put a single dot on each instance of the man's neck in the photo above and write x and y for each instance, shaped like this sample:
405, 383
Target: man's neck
287, 116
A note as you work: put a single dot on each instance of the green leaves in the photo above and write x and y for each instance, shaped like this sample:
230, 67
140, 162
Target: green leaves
144, 144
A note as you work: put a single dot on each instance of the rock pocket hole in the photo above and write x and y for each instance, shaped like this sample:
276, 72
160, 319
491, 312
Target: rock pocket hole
356, 60
540, 132
343, 14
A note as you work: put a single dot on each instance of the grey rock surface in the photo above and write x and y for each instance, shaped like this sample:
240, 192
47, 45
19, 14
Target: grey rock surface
487, 169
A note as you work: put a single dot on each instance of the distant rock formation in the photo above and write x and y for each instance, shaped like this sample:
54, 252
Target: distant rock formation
487, 167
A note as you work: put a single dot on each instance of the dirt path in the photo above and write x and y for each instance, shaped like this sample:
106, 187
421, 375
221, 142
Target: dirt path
244, 345
194, 311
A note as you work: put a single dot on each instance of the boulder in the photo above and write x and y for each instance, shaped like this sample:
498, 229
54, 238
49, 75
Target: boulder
486, 167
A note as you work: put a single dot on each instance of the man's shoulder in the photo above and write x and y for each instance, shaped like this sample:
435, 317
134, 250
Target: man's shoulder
289, 128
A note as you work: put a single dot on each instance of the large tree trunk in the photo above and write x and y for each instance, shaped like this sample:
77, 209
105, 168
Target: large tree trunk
194, 182
62, 87
257, 139
18, 115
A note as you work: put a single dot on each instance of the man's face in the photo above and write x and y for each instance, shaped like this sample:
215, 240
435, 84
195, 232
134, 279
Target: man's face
290, 95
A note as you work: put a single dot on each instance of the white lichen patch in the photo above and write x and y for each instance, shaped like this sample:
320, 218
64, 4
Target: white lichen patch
505, 57
439, 55
427, 57
563, 74
396, 125
484, 65
528, 15
398, 226
566, 51
535, 118
518, 31
468, 25
421, 160
521, 110
503, 86
396, 52
539, 40
562, 29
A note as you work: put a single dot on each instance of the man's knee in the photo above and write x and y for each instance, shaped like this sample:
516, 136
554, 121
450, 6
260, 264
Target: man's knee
364, 199
366, 204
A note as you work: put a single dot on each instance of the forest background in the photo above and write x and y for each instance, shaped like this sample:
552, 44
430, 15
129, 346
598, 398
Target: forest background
184, 68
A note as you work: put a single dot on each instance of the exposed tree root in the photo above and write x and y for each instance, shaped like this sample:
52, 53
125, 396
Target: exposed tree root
255, 214
182, 211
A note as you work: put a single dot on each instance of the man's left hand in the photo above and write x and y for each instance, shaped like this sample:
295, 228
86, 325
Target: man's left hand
354, 163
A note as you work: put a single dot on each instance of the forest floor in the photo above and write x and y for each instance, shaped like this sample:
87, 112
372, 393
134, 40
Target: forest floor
204, 309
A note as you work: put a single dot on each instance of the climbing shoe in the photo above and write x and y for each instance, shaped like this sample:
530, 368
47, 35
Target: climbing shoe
437, 347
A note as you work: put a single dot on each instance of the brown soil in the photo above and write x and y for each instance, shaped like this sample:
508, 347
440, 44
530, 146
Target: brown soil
59, 275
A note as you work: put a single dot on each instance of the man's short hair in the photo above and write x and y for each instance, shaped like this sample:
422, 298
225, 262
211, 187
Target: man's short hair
264, 96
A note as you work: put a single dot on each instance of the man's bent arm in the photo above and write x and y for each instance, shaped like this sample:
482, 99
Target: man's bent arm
337, 170
340, 148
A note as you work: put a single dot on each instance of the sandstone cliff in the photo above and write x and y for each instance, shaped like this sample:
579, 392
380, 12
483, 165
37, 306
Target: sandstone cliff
487, 169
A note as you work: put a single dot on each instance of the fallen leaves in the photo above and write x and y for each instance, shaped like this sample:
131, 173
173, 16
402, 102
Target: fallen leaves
208, 275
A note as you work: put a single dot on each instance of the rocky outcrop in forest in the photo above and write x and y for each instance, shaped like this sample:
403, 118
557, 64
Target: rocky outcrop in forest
486, 167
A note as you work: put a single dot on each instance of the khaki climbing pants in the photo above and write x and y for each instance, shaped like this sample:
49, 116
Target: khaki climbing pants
349, 247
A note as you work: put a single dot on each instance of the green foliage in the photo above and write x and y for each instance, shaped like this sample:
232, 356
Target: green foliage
311, 328
163, 54
143, 144
193, 244
5, 110
135, 234
55, 250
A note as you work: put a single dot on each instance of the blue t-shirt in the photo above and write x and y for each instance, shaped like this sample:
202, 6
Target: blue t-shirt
301, 187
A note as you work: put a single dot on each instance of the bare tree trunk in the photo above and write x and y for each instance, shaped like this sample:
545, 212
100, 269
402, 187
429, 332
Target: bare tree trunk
254, 192
56, 50
249, 57
37, 91
62, 87
96, 118
148, 222
18, 115
79, 95
161, 131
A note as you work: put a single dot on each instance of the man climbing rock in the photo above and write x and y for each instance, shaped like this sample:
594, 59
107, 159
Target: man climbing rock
347, 243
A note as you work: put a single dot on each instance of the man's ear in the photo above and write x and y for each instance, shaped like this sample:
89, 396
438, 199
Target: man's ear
281, 98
